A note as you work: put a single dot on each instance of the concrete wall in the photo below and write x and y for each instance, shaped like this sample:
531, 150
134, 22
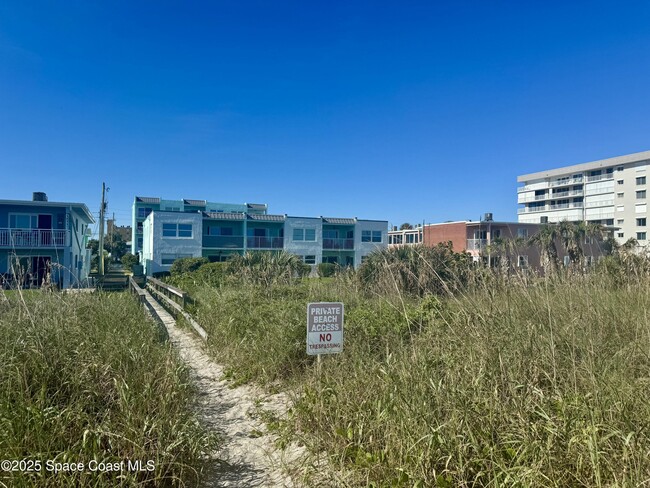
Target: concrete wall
156, 246
362, 249
304, 248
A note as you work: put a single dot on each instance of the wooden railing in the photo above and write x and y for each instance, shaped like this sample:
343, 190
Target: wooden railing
176, 299
137, 291
177, 295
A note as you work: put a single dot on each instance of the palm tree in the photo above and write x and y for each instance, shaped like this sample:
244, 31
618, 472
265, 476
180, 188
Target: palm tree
572, 235
545, 239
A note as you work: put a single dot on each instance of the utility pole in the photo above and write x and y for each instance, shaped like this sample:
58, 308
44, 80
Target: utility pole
101, 232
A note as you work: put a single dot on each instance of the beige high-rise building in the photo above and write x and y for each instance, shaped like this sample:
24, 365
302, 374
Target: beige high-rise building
609, 191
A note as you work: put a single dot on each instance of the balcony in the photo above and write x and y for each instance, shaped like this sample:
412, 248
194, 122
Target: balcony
223, 242
265, 242
34, 238
338, 244
607, 176
532, 209
476, 244
602, 203
567, 181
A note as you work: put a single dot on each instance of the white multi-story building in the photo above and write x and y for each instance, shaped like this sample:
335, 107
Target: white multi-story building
609, 191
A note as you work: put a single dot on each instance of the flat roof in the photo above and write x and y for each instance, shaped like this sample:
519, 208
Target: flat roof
577, 168
32, 203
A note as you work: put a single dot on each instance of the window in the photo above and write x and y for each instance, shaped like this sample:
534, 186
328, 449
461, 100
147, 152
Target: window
173, 209
143, 212
305, 235
23, 221
620, 234
370, 236
641, 208
640, 194
619, 168
522, 232
177, 230
169, 230
410, 238
641, 222
522, 261
609, 222
620, 208
619, 195
640, 236
139, 227
139, 241
311, 259
184, 230
167, 259
619, 182
640, 180
620, 221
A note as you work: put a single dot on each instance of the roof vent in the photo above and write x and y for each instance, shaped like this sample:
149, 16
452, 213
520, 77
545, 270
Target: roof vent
39, 196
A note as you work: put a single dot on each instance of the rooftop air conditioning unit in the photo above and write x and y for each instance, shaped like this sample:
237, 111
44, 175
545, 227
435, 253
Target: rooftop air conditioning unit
488, 217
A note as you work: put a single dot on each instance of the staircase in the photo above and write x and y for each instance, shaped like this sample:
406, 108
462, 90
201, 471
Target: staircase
114, 280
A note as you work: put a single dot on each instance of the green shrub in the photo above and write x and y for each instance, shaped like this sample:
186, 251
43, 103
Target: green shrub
129, 260
417, 270
265, 268
186, 265
326, 270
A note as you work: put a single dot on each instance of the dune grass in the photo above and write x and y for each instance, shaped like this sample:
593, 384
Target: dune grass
499, 384
86, 378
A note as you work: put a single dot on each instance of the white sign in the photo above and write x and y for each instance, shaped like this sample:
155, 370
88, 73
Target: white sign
324, 328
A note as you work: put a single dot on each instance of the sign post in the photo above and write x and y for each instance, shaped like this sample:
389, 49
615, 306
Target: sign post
324, 328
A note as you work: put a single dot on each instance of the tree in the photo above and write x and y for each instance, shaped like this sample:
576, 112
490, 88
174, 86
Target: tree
405, 226
545, 239
129, 260
93, 245
115, 245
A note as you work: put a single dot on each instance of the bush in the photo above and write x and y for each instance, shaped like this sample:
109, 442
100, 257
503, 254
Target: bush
326, 270
129, 260
185, 265
265, 268
303, 270
418, 270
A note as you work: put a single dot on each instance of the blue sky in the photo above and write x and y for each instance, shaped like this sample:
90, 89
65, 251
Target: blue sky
404, 111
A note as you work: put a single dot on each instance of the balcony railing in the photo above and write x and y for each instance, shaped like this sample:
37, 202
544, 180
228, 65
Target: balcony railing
607, 176
476, 244
224, 242
338, 244
567, 181
265, 242
39, 238
532, 209
605, 203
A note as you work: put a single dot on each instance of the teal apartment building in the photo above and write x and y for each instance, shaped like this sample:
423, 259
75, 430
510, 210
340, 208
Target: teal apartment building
198, 228
43, 242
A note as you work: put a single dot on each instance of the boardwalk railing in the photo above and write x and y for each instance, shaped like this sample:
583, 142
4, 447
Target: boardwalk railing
137, 291
176, 299
177, 295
